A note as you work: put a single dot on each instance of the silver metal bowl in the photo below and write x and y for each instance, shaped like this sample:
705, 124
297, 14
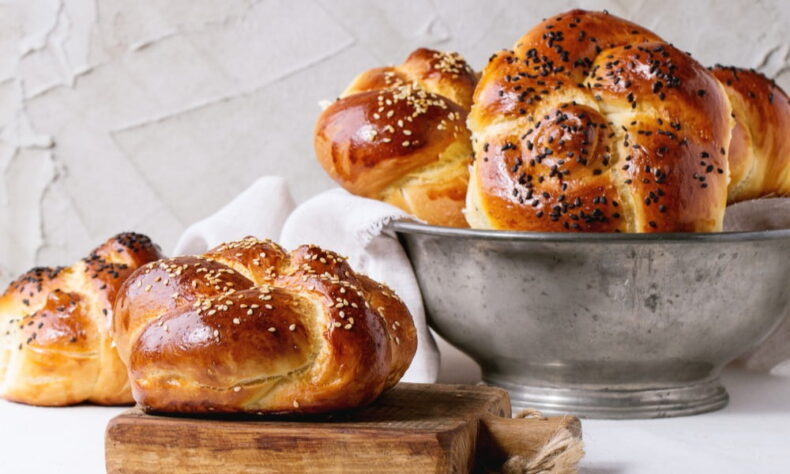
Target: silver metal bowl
603, 325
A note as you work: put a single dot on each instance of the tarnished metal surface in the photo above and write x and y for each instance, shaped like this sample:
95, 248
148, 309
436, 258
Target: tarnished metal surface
609, 326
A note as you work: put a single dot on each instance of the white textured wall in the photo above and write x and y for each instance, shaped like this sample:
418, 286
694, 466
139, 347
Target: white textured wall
150, 114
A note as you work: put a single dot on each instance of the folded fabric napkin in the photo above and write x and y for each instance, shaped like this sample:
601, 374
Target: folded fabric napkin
764, 214
335, 220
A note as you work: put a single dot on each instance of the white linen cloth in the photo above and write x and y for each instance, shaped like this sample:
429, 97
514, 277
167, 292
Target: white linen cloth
764, 214
335, 220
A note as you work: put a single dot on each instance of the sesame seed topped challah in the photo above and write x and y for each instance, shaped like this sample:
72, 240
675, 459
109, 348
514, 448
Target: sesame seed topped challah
398, 134
249, 328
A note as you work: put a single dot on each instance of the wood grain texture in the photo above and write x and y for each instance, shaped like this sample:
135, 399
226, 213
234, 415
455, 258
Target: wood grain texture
412, 428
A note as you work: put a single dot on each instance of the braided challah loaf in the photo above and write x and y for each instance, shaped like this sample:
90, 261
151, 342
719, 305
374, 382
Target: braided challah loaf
593, 123
759, 153
250, 328
398, 134
55, 344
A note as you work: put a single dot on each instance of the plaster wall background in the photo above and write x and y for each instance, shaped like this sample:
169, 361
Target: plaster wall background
150, 114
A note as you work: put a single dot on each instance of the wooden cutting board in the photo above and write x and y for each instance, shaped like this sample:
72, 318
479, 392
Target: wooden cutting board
418, 428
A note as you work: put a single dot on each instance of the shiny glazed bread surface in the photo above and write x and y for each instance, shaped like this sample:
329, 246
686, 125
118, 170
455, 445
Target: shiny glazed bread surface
55, 342
249, 328
759, 153
593, 123
398, 134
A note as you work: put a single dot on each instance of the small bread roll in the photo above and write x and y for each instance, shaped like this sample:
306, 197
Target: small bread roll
55, 342
759, 153
398, 134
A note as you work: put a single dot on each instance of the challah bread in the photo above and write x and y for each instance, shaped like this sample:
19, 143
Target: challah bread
249, 328
759, 152
593, 123
398, 134
55, 342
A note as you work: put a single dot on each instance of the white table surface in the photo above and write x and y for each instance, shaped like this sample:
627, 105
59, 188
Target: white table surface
751, 435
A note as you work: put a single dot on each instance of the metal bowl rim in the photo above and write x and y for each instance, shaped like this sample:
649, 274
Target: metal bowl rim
407, 227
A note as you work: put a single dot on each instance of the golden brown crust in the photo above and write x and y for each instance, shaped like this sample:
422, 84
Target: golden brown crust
247, 327
55, 344
592, 123
442, 73
391, 145
759, 154
398, 134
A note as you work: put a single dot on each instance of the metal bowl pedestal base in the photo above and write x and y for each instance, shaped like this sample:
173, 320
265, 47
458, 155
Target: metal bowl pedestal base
614, 403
